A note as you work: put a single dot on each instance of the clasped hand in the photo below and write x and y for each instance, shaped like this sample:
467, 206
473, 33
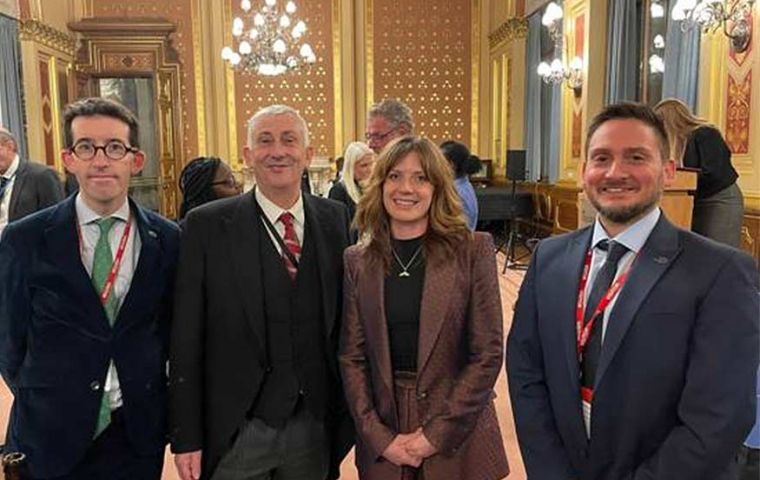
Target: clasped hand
409, 449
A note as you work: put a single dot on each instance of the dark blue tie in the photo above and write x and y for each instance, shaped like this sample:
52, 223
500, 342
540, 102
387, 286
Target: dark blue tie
3, 186
602, 282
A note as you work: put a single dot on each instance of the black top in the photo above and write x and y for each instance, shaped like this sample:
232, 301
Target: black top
707, 151
338, 192
403, 297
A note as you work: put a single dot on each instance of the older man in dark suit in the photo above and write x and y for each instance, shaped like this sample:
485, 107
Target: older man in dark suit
25, 187
255, 390
634, 346
84, 322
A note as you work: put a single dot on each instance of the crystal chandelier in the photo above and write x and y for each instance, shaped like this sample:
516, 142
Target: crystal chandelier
269, 42
711, 15
556, 72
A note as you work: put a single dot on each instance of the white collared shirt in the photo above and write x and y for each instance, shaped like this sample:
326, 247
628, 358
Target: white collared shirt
90, 235
273, 212
5, 205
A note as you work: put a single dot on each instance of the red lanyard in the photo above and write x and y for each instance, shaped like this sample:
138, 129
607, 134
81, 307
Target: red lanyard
116, 261
584, 331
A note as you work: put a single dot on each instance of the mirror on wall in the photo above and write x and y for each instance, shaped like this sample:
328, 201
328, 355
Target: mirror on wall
138, 95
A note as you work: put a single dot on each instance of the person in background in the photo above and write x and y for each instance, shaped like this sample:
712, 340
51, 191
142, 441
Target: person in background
464, 164
422, 337
386, 121
25, 186
85, 293
718, 202
205, 179
338, 168
357, 167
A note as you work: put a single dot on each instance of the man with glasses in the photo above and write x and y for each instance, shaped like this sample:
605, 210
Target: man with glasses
388, 120
25, 187
84, 320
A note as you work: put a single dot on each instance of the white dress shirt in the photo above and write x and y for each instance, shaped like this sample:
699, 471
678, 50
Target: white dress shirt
5, 205
90, 235
273, 212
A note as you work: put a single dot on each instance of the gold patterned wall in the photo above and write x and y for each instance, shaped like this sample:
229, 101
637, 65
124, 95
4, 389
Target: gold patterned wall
180, 13
310, 90
421, 51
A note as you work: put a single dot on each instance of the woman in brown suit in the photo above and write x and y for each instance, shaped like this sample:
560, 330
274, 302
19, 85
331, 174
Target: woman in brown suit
421, 344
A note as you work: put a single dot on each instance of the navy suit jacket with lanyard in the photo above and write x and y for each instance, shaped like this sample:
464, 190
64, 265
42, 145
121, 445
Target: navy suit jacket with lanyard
673, 394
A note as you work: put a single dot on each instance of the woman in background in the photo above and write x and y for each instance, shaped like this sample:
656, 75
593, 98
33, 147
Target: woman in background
358, 160
464, 164
421, 345
205, 179
718, 202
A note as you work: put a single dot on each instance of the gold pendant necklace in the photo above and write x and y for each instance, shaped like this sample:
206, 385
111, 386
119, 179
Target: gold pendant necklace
405, 268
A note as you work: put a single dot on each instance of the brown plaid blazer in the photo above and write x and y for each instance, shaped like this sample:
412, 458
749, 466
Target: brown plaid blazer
459, 358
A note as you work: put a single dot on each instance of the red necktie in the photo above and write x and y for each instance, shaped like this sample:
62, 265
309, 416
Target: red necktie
291, 241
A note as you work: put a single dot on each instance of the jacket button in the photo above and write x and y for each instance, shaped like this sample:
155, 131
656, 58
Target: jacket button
94, 386
268, 369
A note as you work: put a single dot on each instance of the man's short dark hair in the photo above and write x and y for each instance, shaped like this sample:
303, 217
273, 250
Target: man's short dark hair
89, 107
636, 111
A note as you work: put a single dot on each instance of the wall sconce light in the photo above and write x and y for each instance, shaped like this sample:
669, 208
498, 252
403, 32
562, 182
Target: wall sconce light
656, 9
556, 72
710, 15
656, 64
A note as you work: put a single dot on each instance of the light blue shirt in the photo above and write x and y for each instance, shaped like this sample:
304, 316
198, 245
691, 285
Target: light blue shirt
634, 238
469, 200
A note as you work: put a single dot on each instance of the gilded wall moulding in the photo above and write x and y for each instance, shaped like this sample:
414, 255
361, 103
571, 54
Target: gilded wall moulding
44, 34
507, 31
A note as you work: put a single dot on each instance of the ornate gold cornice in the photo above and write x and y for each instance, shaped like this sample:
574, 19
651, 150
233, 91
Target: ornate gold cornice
513, 28
44, 34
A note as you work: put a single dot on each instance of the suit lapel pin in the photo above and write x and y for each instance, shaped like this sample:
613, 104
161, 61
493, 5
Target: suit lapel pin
152, 234
661, 260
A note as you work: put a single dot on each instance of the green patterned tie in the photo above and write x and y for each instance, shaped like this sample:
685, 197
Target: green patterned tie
101, 267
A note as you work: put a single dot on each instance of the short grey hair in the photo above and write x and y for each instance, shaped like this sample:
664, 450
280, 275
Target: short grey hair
7, 137
273, 110
396, 112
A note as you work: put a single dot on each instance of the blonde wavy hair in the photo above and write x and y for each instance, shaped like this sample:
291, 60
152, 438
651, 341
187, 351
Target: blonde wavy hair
355, 151
447, 227
679, 123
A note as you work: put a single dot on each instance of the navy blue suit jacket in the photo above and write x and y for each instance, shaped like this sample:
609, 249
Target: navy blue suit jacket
56, 342
674, 389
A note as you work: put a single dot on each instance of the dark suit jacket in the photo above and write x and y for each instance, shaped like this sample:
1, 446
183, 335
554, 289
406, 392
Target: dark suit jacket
338, 192
56, 342
459, 357
35, 187
218, 355
674, 390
